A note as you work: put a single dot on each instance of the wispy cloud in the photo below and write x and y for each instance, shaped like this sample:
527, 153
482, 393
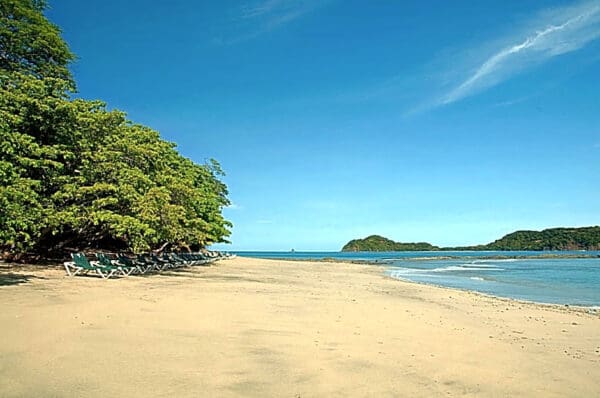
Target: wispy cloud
260, 17
259, 9
549, 34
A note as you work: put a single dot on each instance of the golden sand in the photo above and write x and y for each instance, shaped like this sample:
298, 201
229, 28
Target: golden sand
264, 328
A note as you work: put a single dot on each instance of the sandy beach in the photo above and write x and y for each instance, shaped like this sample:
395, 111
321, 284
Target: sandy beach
264, 328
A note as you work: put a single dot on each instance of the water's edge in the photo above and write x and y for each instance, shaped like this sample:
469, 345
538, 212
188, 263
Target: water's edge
570, 279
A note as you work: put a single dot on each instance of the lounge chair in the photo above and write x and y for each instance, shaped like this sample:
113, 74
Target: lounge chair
176, 257
196, 258
142, 267
162, 264
105, 261
188, 258
173, 262
150, 264
153, 261
81, 265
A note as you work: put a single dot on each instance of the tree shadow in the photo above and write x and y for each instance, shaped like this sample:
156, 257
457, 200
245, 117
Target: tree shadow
10, 279
190, 272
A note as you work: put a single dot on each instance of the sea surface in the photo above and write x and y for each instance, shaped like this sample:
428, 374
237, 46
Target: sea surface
532, 276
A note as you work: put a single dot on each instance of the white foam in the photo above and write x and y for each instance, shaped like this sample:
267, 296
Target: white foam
407, 271
450, 268
466, 267
479, 265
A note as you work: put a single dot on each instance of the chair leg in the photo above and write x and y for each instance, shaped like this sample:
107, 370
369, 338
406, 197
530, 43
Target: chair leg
67, 269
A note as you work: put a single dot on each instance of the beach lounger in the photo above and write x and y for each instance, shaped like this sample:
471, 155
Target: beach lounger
196, 258
173, 260
142, 267
199, 258
161, 263
188, 258
153, 261
105, 261
81, 265
181, 259
149, 263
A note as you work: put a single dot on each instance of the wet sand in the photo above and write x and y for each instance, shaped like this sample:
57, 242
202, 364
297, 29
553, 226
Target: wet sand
266, 328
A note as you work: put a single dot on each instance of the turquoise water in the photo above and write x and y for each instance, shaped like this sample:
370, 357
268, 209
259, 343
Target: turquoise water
519, 275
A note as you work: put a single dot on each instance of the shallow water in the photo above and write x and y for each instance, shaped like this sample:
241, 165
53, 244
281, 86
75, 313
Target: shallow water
524, 276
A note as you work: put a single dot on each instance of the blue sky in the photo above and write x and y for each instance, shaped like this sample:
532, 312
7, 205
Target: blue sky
448, 122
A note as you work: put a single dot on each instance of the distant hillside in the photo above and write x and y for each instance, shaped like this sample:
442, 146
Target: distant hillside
586, 238
376, 243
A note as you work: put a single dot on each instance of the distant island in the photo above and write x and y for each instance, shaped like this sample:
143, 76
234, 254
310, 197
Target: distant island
585, 238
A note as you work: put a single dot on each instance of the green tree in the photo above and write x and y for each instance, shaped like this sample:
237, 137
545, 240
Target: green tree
31, 44
74, 175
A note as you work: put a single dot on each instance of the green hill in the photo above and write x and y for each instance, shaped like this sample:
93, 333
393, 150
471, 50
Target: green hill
585, 238
376, 243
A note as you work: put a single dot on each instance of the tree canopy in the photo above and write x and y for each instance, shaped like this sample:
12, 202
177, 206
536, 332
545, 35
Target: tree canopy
31, 44
75, 175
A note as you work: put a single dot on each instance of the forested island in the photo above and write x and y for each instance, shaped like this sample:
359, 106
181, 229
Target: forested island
585, 238
75, 174
376, 243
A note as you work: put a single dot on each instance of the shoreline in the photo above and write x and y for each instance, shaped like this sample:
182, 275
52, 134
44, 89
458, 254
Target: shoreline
252, 327
591, 309
377, 267
423, 258
381, 264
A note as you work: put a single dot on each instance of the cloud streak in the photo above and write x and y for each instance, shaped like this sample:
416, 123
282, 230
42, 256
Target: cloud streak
261, 17
552, 33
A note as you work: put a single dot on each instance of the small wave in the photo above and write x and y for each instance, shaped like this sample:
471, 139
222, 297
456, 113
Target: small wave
474, 265
496, 260
399, 277
450, 268
477, 278
407, 271
465, 267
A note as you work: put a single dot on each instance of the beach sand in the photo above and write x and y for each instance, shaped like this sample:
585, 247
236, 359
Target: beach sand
265, 328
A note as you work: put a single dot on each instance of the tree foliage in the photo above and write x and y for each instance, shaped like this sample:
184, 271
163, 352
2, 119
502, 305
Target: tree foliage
74, 174
31, 44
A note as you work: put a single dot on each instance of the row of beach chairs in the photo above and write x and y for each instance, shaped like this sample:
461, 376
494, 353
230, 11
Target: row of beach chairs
108, 266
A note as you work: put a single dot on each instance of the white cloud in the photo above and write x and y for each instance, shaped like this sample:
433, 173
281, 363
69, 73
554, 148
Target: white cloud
260, 17
551, 33
262, 8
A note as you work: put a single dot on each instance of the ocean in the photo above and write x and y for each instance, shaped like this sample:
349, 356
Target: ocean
531, 276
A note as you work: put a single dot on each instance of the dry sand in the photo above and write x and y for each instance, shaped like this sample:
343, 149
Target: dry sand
259, 328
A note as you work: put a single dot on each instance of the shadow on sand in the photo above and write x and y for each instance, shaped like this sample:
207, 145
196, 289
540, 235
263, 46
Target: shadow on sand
10, 279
